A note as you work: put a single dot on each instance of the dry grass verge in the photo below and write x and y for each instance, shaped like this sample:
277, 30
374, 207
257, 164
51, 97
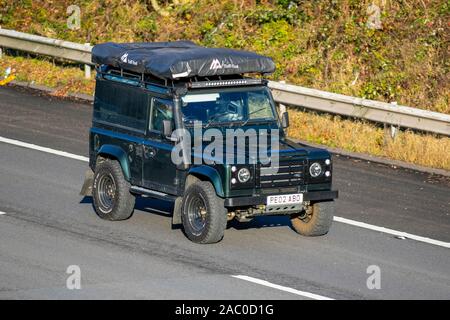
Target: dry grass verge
44, 72
364, 137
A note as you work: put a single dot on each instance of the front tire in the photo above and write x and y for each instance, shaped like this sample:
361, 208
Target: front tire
316, 220
203, 213
111, 192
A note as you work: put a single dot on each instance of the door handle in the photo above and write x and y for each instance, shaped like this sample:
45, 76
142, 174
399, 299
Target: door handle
149, 152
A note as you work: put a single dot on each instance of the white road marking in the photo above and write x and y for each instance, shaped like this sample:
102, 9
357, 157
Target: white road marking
43, 149
282, 288
337, 219
396, 233
1, 212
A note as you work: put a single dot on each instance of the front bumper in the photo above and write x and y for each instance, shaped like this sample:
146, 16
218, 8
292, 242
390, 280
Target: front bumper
262, 200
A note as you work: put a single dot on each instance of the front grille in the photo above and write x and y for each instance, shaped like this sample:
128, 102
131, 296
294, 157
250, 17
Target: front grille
286, 173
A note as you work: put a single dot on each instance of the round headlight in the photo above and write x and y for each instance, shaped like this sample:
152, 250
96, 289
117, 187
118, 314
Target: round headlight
243, 175
315, 170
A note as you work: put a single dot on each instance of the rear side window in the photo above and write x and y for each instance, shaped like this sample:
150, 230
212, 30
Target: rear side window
120, 104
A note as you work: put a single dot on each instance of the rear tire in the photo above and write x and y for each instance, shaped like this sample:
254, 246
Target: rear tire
203, 213
316, 220
111, 192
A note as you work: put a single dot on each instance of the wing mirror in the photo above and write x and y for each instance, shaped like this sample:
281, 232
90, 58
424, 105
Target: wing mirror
285, 120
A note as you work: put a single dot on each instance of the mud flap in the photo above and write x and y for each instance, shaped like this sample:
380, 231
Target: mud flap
176, 218
86, 189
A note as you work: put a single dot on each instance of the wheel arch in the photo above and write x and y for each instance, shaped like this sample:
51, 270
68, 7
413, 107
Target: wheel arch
116, 153
206, 173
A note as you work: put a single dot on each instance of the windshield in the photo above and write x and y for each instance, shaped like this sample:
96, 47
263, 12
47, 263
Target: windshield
228, 105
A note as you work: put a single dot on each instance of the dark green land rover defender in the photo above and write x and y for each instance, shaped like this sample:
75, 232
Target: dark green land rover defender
180, 122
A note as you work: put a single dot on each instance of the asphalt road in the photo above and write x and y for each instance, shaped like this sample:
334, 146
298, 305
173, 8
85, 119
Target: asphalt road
47, 227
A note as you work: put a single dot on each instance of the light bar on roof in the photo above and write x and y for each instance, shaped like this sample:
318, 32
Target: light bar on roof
226, 83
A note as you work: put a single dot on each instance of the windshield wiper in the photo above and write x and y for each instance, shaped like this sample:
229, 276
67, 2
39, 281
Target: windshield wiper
215, 116
253, 112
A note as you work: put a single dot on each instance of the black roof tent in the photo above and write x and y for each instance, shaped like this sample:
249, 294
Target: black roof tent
180, 59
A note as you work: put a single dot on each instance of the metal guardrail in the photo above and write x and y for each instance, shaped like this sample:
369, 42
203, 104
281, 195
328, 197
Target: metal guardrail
46, 46
376, 111
395, 115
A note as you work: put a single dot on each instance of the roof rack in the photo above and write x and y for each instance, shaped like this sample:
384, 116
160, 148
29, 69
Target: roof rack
192, 82
133, 76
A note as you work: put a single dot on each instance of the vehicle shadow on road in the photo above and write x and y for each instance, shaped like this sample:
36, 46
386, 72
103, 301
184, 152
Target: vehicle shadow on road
261, 222
86, 200
155, 206
165, 209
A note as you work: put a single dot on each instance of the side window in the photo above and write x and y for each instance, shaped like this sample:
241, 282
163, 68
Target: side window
121, 104
161, 110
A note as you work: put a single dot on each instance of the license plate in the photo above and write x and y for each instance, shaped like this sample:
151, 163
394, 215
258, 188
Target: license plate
285, 199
